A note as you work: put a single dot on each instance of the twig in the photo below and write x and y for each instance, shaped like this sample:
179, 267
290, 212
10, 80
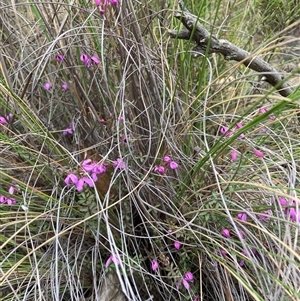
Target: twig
206, 43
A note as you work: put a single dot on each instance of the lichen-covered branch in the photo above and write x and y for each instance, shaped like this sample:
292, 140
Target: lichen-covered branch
210, 44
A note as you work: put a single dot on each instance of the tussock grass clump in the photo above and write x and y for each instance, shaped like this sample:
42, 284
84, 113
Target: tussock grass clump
130, 170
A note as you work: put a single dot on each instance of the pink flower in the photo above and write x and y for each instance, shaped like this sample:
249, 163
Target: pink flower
177, 245
3, 199
84, 58
242, 262
99, 168
258, 153
3, 120
294, 214
82, 181
223, 252
282, 201
173, 165
88, 165
188, 276
59, 57
119, 164
88, 63
263, 110
94, 168
225, 233
240, 234
154, 265
10, 201
95, 59
239, 125
225, 131
185, 284
65, 86
48, 86
113, 2
167, 159
94, 176
233, 155
264, 216
242, 216
113, 258
68, 130
160, 169
71, 179
9, 116
98, 2
11, 190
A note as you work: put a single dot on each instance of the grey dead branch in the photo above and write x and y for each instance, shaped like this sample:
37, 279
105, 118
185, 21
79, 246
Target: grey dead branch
208, 44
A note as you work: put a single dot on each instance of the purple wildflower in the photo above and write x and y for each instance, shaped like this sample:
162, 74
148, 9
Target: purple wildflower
177, 245
188, 276
71, 179
88, 165
242, 216
99, 168
112, 258
240, 234
239, 125
263, 110
59, 57
68, 130
225, 233
82, 182
264, 216
258, 153
233, 155
10, 201
48, 86
119, 164
154, 265
226, 132
3, 120
95, 59
3, 199
94, 176
282, 201
294, 214
84, 58
11, 190
173, 165
167, 159
185, 284
160, 169
65, 86
223, 252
